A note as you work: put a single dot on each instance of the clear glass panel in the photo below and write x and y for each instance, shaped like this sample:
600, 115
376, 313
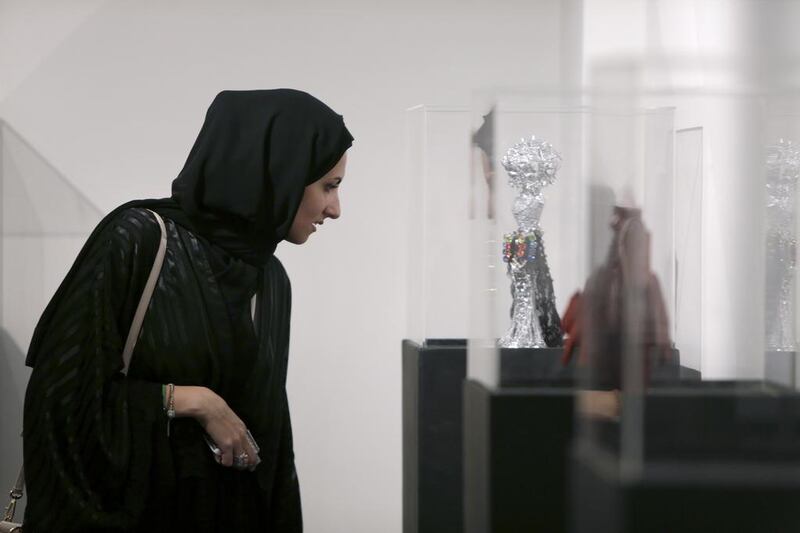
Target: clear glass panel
438, 167
688, 226
44, 222
782, 169
629, 297
697, 267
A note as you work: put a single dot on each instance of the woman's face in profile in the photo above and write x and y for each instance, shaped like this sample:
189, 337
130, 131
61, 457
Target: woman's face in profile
320, 201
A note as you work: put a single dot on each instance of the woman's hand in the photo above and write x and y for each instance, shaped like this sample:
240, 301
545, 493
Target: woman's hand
226, 429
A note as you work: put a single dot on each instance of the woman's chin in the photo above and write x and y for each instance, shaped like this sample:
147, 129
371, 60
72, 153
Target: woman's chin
297, 239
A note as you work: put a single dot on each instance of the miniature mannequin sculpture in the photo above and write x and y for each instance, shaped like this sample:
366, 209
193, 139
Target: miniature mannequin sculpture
531, 165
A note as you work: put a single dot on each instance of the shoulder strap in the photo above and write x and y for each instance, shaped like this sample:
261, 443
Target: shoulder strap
144, 302
130, 343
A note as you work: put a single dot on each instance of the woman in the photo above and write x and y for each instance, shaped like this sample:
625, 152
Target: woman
100, 451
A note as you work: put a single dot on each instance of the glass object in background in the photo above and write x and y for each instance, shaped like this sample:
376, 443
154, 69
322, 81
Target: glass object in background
721, 440
783, 168
781, 172
44, 223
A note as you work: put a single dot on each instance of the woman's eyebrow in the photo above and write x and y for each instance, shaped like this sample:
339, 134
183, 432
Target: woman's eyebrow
338, 179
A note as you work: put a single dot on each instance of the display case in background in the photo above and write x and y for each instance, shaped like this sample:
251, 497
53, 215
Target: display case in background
674, 215
719, 452
44, 223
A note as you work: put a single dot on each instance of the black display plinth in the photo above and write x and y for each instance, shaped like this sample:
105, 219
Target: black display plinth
433, 376
718, 456
516, 445
432, 431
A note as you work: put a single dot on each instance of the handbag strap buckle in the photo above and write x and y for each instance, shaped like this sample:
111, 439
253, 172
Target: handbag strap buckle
11, 509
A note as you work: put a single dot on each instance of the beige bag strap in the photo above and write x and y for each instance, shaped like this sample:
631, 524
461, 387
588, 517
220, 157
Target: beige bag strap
15, 494
144, 302
130, 343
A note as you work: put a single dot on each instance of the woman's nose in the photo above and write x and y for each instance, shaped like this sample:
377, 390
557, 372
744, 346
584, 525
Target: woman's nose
333, 210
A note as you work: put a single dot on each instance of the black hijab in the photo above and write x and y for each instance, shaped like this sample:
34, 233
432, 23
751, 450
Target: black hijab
242, 183
244, 178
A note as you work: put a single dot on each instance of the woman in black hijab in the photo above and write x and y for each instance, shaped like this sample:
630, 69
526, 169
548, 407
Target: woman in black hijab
100, 452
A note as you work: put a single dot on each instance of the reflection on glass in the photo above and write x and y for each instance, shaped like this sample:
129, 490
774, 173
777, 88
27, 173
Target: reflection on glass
622, 305
531, 165
483, 139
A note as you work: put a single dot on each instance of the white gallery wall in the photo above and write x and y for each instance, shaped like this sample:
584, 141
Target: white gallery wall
111, 94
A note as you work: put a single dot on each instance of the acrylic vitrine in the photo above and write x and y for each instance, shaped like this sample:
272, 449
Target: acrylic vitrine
434, 351
45, 221
710, 449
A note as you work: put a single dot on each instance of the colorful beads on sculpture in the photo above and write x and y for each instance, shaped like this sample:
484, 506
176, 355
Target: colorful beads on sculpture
519, 246
508, 240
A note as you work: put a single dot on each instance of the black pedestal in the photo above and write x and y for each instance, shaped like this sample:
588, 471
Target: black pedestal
717, 457
433, 479
516, 444
432, 433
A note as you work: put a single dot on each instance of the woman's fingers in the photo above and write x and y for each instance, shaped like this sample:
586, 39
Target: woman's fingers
236, 444
227, 455
244, 450
230, 446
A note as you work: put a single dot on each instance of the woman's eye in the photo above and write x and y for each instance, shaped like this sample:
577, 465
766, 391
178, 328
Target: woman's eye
331, 186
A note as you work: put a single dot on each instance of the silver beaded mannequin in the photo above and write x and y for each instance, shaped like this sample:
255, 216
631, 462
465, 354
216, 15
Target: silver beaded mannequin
531, 165
783, 169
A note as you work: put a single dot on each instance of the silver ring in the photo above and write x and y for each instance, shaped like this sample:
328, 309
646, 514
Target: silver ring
240, 461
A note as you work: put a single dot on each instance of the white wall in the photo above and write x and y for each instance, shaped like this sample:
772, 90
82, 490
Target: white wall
113, 93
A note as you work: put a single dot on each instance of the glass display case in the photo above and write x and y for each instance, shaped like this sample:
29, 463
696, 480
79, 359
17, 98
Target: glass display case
528, 227
723, 301
438, 147
434, 352
44, 221
528, 224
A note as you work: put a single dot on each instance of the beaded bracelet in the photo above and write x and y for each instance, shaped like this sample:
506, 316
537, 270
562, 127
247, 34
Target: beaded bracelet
170, 405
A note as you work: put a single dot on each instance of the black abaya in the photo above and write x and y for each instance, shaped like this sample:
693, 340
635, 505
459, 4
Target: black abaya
97, 455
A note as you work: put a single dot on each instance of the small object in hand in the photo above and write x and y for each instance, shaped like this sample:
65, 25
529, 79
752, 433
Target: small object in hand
252, 441
218, 452
213, 446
